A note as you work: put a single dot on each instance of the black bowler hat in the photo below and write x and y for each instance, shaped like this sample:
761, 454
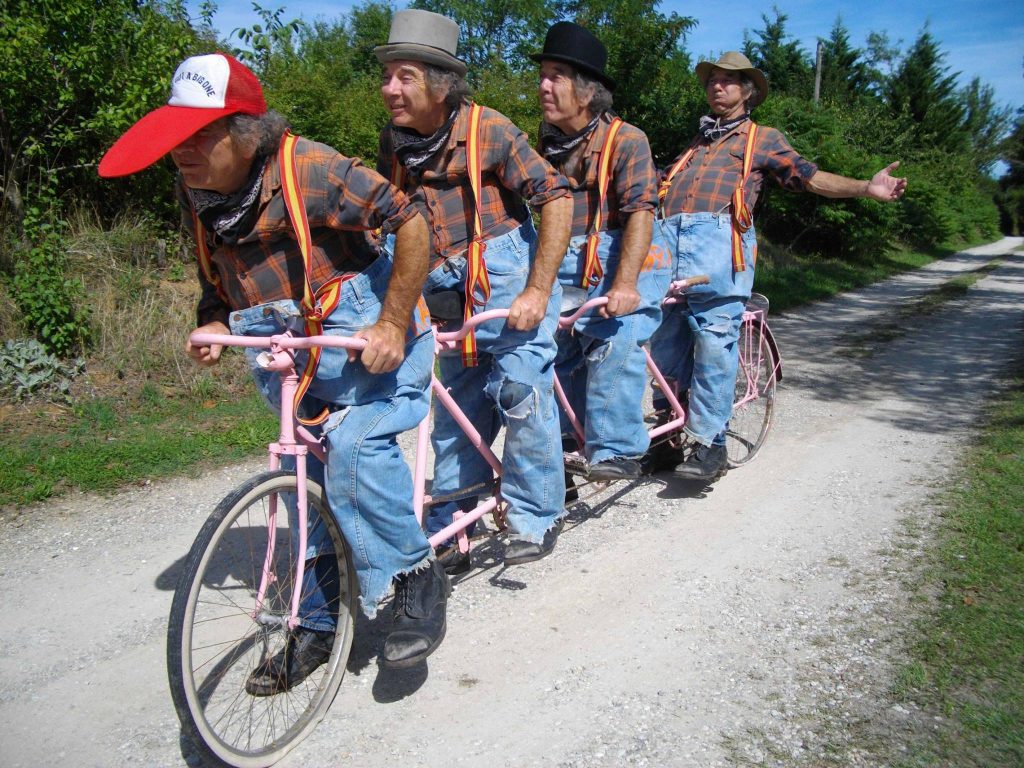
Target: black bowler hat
574, 45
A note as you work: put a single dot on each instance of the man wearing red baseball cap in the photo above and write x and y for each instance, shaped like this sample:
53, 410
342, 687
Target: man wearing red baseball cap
237, 163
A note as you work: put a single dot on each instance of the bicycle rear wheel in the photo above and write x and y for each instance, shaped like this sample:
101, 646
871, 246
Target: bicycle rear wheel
216, 638
755, 394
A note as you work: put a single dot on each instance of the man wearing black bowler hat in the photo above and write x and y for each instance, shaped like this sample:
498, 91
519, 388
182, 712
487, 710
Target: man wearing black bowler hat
601, 363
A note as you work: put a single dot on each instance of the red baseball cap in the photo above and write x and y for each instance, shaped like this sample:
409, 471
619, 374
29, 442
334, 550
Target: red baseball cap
205, 88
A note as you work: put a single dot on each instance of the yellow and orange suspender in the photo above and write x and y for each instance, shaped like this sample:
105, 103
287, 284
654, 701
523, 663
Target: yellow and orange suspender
315, 306
742, 216
477, 281
593, 272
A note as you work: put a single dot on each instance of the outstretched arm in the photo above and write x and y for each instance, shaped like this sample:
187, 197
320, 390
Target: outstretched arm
882, 186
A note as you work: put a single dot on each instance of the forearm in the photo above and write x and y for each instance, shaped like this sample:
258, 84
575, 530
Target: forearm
412, 242
636, 242
552, 242
835, 186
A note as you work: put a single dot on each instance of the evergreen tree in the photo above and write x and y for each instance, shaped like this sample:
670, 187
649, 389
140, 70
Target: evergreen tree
1011, 185
845, 75
986, 123
783, 61
924, 90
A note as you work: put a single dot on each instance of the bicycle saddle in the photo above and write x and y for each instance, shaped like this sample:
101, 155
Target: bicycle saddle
446, 306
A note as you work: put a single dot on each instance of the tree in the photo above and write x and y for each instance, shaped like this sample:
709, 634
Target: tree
496, 32
1011, 184
783, 61
845, 76
924, 90
986, 124
74, 74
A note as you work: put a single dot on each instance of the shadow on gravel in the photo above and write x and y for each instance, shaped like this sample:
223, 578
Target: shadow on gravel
927, 363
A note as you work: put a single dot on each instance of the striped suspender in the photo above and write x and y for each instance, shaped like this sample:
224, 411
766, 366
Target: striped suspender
478, 286
742, 216
315, 306
593, 272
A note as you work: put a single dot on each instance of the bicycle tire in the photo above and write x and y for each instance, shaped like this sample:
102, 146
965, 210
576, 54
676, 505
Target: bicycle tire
754, 400
214, 642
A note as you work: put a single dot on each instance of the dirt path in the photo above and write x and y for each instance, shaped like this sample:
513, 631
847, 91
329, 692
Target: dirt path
670, 627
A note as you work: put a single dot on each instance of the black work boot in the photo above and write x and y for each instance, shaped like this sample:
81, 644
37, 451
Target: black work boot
615, 468
705, 463
421, 599
304, 651
519, 551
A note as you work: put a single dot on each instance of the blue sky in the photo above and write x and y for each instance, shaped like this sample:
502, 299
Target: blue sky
979, 39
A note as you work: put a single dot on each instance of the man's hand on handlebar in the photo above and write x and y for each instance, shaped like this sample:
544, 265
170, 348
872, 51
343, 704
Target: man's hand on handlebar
528, 309
207, 355
385, 347
621, 301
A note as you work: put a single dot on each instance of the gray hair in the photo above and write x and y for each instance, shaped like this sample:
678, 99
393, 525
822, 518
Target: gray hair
750, 89
451, 84
260, 132
600, 96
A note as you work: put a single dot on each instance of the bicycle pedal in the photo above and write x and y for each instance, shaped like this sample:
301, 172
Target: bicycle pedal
575, 464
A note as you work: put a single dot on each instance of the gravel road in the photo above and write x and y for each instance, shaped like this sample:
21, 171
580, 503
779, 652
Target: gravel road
753, 621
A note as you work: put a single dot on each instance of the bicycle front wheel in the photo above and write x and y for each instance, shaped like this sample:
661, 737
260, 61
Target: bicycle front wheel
217, 635
754, 399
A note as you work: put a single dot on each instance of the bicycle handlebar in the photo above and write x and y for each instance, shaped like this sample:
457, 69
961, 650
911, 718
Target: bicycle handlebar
284, 341
677, 286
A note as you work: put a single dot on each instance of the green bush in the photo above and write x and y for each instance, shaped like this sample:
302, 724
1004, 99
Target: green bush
52, 305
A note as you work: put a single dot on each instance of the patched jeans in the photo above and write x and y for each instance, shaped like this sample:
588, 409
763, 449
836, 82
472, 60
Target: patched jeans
368, 483
512, 385
601, 364
696, 345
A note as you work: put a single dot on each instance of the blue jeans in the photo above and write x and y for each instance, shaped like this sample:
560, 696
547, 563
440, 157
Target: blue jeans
512, 386
601, 364
696, 345
368, 483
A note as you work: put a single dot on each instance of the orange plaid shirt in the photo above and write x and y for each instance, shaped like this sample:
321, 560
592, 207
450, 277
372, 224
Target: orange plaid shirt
633, 185
345, 202
513, 174
707, 182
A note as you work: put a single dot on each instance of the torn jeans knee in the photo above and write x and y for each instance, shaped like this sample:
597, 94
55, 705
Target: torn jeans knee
515, 399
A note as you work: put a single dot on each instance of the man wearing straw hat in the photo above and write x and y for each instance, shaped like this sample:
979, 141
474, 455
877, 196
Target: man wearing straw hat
475, 177
708, 194
601, 363
232, 153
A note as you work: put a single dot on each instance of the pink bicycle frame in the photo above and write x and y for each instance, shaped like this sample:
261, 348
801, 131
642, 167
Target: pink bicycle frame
293, 438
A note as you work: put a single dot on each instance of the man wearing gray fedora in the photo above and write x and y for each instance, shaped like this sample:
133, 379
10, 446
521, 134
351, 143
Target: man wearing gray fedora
707, 196
475, 177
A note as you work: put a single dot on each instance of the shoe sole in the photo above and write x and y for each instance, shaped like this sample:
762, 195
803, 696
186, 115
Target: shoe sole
706, 478
599, 478
527, 558
412, 661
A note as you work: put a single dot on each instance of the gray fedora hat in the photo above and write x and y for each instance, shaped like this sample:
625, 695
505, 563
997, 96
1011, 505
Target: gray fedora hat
737, 62
425, 37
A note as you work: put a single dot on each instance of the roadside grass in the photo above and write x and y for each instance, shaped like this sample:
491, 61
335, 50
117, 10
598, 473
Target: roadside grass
101, 445
967, 654
790, 280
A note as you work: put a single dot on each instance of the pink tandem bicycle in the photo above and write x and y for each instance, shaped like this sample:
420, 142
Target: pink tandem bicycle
239, 591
